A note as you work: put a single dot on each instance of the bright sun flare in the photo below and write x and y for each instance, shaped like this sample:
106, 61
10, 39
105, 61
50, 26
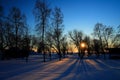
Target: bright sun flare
82, 45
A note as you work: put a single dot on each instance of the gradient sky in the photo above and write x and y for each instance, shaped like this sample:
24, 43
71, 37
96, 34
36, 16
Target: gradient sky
78, 14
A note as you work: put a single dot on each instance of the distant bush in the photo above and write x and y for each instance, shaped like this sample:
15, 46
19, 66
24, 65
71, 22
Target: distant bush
115, 57
14, 53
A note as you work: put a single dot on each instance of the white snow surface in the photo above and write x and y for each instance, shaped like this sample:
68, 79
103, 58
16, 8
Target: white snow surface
70, 68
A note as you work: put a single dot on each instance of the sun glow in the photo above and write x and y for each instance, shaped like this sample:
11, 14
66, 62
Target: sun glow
82, 45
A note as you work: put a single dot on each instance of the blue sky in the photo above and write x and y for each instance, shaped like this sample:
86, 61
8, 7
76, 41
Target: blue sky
78, 14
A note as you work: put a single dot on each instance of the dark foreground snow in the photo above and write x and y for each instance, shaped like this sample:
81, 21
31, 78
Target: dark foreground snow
70, 68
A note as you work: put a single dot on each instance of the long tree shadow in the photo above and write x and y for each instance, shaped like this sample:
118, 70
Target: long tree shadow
108, 64
93, 69
68, 71
19, 71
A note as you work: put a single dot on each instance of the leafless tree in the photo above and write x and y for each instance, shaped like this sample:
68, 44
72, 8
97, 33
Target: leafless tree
96, 46
116, 38
64, 45
88, 44
1, 29
76, 37
13, 32
57, 23
108, 37
98, 34
18, 21
41, 13
49, 41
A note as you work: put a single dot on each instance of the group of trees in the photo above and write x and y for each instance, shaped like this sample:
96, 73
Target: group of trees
49, 25
14, 32
13, 29
106, 37
103, 37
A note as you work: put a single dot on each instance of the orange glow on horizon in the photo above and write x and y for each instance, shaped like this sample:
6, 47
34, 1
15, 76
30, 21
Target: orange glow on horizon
74, 49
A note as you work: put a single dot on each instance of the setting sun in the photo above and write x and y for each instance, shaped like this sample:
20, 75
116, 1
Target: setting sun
82, 45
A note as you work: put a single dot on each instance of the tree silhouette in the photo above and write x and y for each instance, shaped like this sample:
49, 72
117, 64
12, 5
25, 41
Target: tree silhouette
64, 45
98, 33
76, 37
116, 38
18, 21
49, 40
1, 29
97, 47
88, 43
41, 13
57, 24
107, 34
13, 33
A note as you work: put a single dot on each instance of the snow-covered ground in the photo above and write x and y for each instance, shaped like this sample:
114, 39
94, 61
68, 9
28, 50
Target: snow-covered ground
70, 68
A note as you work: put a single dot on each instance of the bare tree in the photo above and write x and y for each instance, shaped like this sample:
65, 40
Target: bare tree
108, 37
18, 21
98, 34
57, 24
49, 41
64, 45
13, 32
9, 34
42, 13
76, 37
116, 38
88, 43
101, 35
1, 29
96, 46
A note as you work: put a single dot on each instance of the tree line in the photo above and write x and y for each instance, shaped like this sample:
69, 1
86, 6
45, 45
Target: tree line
50, 37
49, 25
103, 37
14, 33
